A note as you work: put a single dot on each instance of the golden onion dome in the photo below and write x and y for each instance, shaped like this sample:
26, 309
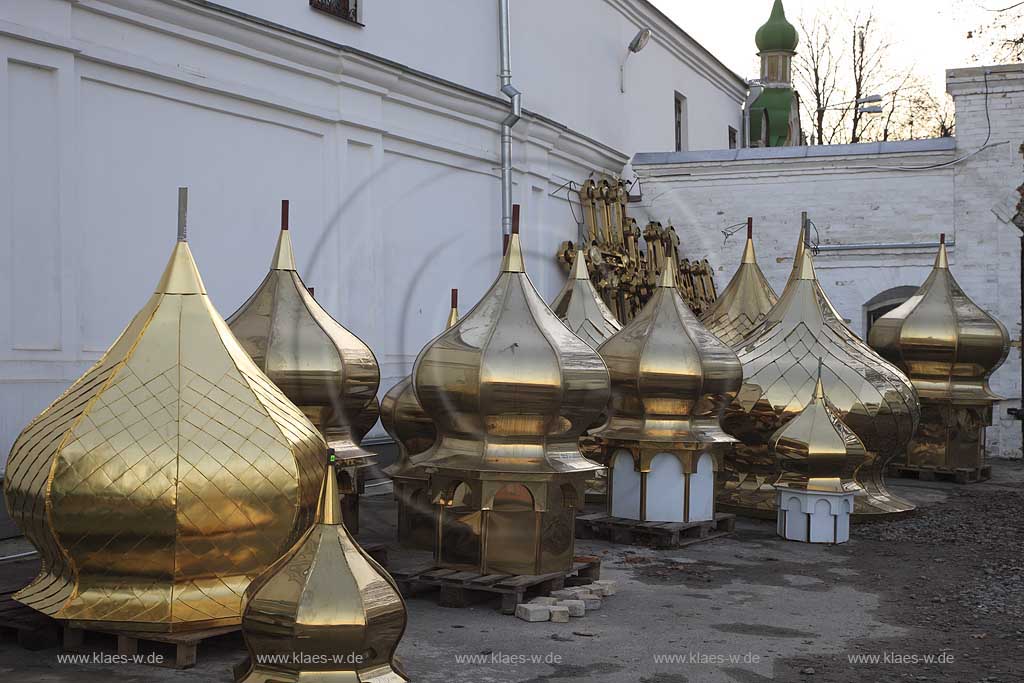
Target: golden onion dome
166, 477
745, 301
946, 344
325, 611
671, 378
404, 419
321, 366
509, 387
816, 450
779, 358
582, 309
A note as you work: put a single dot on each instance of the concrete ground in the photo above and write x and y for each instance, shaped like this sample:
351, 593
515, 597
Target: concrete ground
741, 609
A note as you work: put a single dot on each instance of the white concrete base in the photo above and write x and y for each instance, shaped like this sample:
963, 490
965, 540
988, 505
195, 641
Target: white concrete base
672, 495
814, 516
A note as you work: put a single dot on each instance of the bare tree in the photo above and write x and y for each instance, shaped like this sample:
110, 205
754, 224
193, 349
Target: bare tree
1003, 34
868, 53
817, 70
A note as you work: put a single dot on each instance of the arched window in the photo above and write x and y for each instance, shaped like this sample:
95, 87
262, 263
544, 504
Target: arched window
883, 302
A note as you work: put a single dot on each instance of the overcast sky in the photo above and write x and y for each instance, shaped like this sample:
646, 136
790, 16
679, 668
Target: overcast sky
928, 34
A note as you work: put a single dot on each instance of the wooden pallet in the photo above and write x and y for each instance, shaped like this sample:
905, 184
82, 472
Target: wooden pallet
32, 630
143, 647
960, 475
463, 588
653, 534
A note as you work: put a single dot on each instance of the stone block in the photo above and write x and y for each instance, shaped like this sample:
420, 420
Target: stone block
528, 612
564, 594
559, 614
607, 586
544, 601
592, 603
577, 608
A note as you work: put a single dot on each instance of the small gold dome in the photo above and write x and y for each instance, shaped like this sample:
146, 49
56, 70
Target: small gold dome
816, 450
945, 343
509, 387
321, 366
404, 419
745, 301
582, 309
780, 358
671, 378
325, 611
167, 477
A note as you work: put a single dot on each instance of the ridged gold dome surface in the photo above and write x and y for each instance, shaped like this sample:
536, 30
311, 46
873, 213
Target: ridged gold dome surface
167, 477
671, 378
323, 612
816, 450
321, 366
509, 387
945, 343
582, 309
745, 301
780, 359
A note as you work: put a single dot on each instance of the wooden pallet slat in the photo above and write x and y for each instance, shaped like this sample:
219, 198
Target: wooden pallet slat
463, 588
657, 534
186, 644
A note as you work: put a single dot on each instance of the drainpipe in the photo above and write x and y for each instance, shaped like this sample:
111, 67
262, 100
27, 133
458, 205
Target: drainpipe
754, 90
515, 112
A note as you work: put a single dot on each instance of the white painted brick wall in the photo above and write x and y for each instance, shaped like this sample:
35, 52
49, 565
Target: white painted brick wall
856, 197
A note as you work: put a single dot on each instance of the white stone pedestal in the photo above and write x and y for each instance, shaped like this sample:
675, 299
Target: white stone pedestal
814, 516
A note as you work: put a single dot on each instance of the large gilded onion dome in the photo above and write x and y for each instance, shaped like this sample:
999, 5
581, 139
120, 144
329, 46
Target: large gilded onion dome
745, 301
321, 366
510, 389
324, 612
166, 477
947, 345
780, 359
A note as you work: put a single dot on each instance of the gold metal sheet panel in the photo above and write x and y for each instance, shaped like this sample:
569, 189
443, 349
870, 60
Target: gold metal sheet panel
166, 477
780, 359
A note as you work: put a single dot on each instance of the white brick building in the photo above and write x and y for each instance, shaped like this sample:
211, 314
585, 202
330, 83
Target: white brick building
877, 212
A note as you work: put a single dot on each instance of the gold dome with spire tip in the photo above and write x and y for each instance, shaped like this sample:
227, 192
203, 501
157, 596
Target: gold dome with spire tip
949, 348
167, 477
745, 301
323, 612
510, 389
671, 379
779, 358
414, 432
582, 309
816, 450
321, 366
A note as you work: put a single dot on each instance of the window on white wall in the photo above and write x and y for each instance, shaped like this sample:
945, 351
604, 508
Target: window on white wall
682, 142
733, 138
